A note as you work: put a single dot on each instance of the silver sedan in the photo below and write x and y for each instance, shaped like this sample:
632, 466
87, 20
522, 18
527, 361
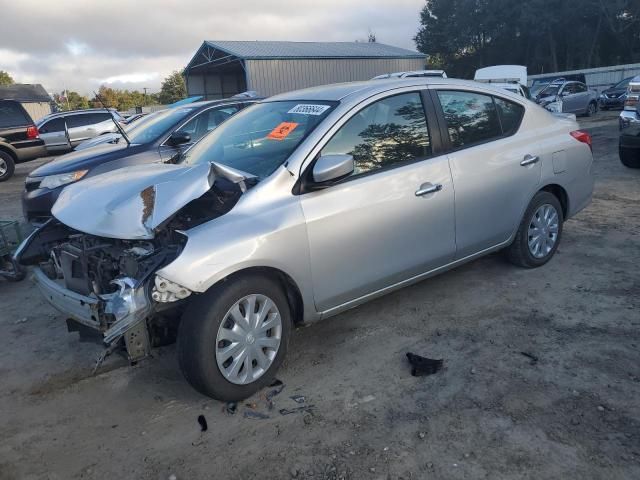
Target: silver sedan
301, 207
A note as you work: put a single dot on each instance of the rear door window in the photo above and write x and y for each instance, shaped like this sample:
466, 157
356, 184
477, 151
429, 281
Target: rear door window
98, 117
80, 120
388, 132
11, 115
471, 117
580, 88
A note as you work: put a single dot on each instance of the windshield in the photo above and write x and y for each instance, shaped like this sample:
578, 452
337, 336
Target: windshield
261, 137
624, 83
550, 91
150, 128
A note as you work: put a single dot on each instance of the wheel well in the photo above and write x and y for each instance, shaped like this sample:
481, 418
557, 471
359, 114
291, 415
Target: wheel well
292, 291
9, 152
561, 194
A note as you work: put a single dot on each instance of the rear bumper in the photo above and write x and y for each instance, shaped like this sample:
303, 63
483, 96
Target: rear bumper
27, 153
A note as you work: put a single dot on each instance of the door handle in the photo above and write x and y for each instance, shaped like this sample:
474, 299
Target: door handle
529, 160
428, 188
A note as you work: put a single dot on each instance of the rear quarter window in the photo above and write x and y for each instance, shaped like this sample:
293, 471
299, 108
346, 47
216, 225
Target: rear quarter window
471, 117
11, 115
510, 114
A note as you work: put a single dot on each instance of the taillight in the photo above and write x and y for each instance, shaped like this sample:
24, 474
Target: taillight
32, 132
583, 137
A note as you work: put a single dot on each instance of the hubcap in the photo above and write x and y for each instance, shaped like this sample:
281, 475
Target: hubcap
543, 231
3, 167
248, 339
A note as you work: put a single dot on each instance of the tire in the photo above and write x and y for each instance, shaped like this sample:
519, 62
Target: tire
629, 157
519, 252
201, 328
18, 272
7, 166
592, 108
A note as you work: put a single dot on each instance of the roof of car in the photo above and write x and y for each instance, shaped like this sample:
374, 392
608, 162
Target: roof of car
221, 101
24, 92
339, 91
73, 112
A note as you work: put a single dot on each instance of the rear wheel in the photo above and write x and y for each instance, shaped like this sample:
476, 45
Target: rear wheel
233, 338
7, 166
539, 232
629, 157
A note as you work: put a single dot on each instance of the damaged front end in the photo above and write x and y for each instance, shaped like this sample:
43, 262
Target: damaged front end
101, 277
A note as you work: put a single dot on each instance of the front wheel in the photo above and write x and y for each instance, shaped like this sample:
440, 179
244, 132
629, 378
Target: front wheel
539, 232
592, 108
233, 338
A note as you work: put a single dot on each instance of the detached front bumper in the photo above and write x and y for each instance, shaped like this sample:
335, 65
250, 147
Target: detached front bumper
120, 315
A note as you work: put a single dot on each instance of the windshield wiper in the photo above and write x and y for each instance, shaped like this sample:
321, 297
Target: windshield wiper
118, 126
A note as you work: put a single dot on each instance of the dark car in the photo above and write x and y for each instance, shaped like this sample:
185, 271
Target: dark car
19, 138
159, 139
614, 97
629, 142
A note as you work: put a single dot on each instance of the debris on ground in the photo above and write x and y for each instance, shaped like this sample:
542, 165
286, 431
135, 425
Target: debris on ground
423, 366
534, 358
203, 423
253, 414
231, 408
289, 411
298, 398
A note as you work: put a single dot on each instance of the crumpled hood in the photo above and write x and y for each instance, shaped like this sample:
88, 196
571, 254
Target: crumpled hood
547, 99
129, 203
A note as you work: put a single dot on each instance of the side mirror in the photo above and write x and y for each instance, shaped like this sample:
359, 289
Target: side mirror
331, 168
178, 138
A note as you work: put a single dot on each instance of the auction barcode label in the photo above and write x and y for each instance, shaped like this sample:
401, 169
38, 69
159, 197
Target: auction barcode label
308, 109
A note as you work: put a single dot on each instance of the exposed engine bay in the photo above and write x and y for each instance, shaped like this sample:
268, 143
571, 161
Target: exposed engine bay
108, 285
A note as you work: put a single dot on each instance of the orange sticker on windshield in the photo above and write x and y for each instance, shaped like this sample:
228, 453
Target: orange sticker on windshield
282, 131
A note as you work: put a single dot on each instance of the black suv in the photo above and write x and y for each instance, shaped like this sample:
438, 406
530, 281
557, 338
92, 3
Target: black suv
19, 138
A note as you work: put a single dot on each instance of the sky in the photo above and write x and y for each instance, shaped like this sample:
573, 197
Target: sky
82, 44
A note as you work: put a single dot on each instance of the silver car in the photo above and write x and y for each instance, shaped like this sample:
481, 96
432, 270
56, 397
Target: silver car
63, 131
301, 207
568, 97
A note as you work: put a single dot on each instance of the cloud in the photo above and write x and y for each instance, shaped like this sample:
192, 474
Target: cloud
77, 44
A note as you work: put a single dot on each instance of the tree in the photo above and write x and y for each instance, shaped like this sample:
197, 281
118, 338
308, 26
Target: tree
544, 35
123, 99
69, 100
5, 78
173, 88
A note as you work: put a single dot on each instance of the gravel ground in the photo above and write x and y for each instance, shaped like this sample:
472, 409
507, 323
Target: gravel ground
492, 412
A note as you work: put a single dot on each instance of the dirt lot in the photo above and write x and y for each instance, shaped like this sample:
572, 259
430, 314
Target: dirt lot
491, 413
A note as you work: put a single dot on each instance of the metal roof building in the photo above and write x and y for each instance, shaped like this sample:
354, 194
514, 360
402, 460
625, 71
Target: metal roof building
223, 68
